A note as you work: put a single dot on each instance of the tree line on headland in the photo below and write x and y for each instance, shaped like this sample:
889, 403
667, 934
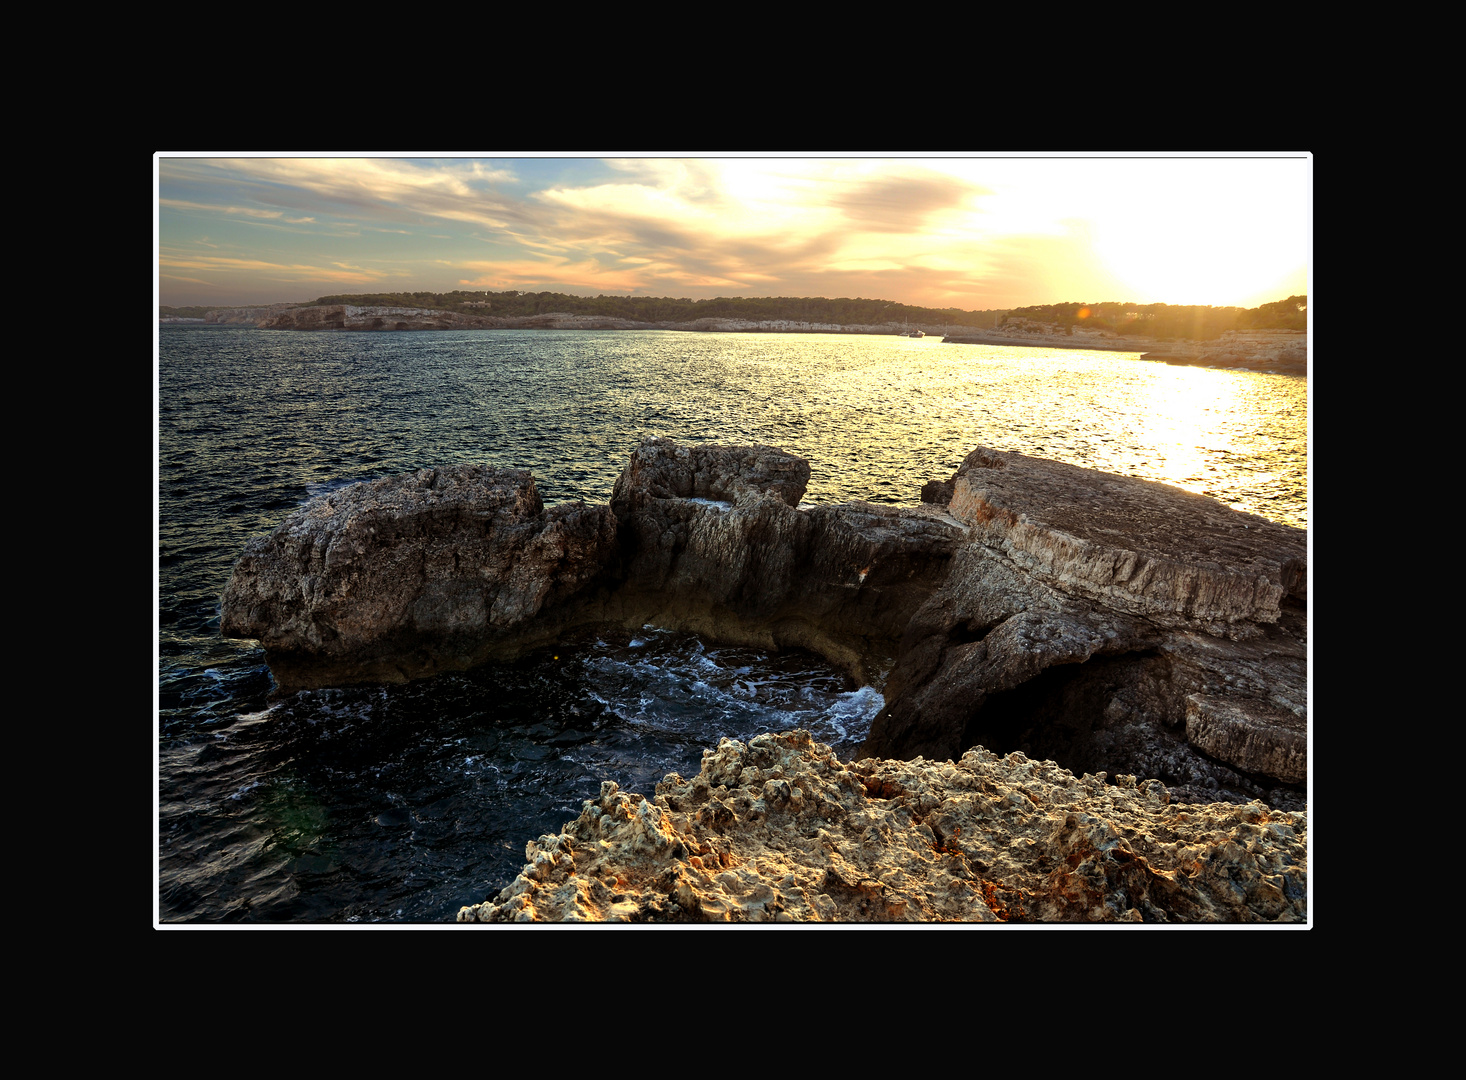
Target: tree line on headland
1196, 322
1161, 321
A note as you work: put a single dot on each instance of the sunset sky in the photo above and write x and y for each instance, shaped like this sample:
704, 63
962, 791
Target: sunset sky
945, 231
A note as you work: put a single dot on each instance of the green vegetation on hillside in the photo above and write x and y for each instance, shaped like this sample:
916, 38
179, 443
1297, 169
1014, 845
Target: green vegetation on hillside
1167, 321
1163, 321
841, 312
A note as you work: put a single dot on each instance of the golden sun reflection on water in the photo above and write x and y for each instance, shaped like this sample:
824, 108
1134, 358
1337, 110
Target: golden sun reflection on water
1180, 425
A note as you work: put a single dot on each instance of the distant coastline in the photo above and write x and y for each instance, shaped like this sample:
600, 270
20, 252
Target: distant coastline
353, 317
1283, 351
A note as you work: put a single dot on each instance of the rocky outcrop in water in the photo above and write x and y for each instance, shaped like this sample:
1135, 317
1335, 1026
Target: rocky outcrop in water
1106, 623
778, 830
1109, 622
718, 546
1284, 351
409, 575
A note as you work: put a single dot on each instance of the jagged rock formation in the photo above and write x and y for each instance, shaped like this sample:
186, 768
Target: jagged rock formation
1108, 623
717, 546
409, 575
778, 830
1101, 619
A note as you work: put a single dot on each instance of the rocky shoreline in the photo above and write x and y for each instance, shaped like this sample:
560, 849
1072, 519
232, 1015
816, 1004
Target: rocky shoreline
352, 317
779, 830
1283, 351
1098, 625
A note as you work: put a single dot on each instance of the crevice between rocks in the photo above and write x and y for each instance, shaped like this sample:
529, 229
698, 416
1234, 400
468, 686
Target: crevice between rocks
1117, 715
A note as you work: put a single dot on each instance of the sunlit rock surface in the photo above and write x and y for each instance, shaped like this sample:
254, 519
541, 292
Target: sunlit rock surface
408, 575
779, 830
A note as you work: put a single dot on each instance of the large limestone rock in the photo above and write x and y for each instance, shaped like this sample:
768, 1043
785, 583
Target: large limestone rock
1092, 616
1136, 546
408, 575
779, 830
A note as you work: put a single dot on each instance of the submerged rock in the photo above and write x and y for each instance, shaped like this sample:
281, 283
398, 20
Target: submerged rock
779, 830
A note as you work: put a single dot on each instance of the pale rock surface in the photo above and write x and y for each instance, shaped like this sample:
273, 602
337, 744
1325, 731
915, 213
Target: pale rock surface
407, 575
1135, 546
779, 830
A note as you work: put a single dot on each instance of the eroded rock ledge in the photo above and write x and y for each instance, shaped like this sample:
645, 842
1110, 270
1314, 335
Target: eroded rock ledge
1106, 623
779, 830
406, 576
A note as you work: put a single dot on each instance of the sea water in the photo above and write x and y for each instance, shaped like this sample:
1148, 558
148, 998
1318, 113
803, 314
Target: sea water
403, 803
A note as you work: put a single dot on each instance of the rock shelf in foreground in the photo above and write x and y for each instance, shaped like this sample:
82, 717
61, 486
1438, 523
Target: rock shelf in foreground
779, 830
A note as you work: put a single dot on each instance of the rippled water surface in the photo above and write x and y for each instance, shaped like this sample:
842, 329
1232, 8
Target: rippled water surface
404, 803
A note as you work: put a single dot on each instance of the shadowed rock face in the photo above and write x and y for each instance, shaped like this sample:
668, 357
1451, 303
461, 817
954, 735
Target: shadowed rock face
716, 545
409, 575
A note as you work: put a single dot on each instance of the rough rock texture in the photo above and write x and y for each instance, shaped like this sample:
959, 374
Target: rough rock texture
779, 830
1092, 616
716, 545
1104, 622
404, 576
1135, 546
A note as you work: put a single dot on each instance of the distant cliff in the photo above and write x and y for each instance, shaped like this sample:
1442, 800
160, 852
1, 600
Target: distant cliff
1271, 350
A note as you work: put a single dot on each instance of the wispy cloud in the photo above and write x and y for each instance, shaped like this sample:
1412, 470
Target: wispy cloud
958, 232
334, 272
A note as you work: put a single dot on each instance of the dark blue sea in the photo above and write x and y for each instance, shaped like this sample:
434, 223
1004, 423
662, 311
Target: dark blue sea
400, 804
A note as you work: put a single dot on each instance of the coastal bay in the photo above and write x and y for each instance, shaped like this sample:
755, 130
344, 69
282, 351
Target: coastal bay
569, 406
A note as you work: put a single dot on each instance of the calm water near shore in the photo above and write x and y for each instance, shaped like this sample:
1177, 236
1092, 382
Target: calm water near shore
403, 803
